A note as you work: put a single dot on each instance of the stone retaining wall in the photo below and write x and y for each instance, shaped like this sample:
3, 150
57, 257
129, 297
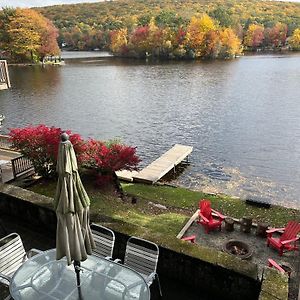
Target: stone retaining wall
213, 273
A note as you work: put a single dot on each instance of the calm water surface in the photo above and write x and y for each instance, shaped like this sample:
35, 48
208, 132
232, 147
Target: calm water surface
242, 117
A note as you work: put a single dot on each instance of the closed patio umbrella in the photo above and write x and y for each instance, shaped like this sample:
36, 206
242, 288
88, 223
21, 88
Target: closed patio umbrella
73, 234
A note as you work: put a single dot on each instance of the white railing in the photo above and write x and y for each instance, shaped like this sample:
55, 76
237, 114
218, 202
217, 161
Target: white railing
4, 76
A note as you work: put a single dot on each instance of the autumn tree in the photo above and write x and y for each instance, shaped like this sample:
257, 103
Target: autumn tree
195, 35
139, 40
178, 41
29, 35
118, 41
211, 44
48, 40
5, 16
277, 35
157, 40
23, 36
254, 36
230, 43
295, 40
71, 37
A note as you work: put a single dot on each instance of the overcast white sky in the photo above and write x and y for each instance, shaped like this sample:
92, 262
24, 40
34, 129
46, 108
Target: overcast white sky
32, 3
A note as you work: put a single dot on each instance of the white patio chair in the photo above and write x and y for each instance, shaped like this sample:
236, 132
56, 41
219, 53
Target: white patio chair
12, 256
104, 239
142, 256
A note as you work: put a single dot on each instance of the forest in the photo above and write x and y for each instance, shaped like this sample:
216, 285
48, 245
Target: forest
180, 28
170, 29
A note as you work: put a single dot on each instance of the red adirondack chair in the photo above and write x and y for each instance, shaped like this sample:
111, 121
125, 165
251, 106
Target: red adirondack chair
273, 263
287, 241
206, 217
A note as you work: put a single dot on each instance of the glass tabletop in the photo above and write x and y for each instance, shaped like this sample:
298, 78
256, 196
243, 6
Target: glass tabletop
44, 277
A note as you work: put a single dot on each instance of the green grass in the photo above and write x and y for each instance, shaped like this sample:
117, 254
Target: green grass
162, 225
230, 206
181, 203
177, 197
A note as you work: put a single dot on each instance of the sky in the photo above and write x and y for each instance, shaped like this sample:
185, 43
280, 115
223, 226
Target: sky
33, 3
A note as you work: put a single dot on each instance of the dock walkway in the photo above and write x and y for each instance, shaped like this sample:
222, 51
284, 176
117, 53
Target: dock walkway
160, 167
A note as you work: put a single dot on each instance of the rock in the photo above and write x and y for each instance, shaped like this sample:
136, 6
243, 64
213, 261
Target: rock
160, 206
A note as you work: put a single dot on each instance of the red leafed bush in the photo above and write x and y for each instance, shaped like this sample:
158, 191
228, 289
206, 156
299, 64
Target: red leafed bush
40, 145
109, 157
103, 180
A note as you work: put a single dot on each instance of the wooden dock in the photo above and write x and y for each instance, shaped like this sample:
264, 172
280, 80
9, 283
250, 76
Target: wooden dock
126, 175
161, 166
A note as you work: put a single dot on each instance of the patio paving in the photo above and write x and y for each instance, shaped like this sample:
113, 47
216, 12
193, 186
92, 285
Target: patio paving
215, 239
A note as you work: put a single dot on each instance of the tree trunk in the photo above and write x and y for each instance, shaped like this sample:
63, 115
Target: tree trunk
117, 185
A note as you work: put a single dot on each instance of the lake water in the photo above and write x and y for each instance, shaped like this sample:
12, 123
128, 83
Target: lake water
241, 116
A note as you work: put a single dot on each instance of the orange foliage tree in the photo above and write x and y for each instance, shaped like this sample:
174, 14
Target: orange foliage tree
254, 36
230, 43
195, 34
277, 35
30, 36
118, 41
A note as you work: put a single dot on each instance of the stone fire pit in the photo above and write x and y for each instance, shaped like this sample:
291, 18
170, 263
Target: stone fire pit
238, 248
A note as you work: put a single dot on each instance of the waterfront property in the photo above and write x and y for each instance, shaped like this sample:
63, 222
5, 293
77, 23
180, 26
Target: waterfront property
213, 106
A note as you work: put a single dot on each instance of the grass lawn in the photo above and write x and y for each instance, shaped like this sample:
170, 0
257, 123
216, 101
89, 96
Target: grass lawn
160, 212
146, 219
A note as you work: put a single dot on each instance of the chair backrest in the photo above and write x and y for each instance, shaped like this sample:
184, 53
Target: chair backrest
141, 255
104, 239
205, 208
12, 254
290, 231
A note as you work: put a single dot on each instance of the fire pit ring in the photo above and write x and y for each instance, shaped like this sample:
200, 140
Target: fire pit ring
238, 248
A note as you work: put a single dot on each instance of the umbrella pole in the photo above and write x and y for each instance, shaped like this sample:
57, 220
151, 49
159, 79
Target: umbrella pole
77, 271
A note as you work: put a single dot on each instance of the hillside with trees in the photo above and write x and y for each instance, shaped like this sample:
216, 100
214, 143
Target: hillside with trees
157, 28
173, 28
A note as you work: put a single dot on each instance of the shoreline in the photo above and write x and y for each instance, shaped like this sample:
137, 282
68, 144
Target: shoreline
246, 53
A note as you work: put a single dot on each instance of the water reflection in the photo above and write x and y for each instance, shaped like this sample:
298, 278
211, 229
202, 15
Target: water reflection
241, 116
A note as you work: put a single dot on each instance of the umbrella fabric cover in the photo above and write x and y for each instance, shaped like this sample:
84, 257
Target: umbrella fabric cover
73, 235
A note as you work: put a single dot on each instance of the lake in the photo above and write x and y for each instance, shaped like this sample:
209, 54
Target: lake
241, 116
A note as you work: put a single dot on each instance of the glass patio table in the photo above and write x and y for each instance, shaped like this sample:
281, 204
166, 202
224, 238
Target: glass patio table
44, 277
